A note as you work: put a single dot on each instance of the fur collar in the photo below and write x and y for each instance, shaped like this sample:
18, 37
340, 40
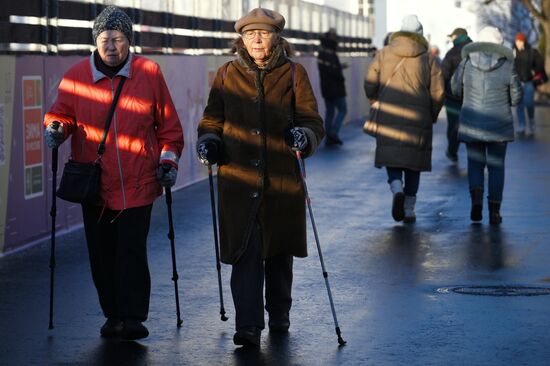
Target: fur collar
414, 36
278, 57
488, 47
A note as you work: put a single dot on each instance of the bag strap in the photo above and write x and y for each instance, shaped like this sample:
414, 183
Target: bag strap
392, 74
101, 147
293, 97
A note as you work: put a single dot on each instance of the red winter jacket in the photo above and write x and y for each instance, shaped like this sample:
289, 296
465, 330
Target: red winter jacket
145, 127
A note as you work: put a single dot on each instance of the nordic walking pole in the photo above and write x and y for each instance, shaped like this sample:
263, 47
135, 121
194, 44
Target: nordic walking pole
175, 276
53, 214
216, 244
325, 273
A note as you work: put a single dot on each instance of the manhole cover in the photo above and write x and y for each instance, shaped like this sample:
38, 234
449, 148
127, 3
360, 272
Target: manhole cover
497, 290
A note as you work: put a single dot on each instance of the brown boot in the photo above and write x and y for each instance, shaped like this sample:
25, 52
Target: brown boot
494, 213
477, 204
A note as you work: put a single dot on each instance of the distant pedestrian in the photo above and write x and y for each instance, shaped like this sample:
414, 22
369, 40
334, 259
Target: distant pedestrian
489, 85
530, 68
250, 128
434, 52
333, 86
459, 37
406, 80
145, 134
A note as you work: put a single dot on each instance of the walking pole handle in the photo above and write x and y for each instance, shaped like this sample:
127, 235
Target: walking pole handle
166, 168
55, 126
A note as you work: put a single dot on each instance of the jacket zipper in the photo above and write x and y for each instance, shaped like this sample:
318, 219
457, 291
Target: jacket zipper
117, 150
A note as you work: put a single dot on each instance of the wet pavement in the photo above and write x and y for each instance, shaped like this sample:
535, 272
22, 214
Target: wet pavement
392, 283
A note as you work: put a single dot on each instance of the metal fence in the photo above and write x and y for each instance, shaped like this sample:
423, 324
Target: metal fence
192, 27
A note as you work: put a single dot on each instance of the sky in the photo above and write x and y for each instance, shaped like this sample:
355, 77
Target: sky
438, 18
346, 5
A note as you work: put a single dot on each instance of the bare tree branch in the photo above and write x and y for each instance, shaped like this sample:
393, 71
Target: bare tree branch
536, 13
539, 15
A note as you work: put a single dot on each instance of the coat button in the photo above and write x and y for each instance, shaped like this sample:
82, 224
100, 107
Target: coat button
255, 131
254, 195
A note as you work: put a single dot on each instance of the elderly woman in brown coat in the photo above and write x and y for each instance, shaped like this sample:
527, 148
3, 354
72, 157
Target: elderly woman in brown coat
408, 85
261, 107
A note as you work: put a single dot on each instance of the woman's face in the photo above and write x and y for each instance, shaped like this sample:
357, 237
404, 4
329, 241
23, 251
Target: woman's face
259, 43
113, 47
520, 45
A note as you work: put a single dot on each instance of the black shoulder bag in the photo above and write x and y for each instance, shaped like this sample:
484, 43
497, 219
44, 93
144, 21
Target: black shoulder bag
80, 181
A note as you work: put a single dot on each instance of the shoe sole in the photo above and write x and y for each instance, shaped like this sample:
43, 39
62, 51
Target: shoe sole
245, 342
133, 337
279, 328
398, 209
110, 334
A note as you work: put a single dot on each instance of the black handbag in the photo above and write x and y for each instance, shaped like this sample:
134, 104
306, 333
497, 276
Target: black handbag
80, 181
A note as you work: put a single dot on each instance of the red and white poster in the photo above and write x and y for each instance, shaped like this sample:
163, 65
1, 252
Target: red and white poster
33, 148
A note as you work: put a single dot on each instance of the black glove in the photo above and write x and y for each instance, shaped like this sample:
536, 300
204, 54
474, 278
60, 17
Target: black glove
53, 135
296, 138
167, 175
208, 152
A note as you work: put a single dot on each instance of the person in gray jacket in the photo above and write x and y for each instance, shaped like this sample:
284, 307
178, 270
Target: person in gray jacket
490, 86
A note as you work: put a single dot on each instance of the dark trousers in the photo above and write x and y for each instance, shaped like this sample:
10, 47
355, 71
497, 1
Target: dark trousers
453, 113
247, 284
412, 179
117, 247
490, 155
332, 124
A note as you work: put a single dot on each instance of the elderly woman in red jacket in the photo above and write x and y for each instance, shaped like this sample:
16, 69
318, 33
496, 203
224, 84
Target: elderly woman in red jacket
145, 133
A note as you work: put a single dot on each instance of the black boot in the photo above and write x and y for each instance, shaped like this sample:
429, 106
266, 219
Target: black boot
477, 204
111, 328
133, 329
494, 213
248, 337
279, 322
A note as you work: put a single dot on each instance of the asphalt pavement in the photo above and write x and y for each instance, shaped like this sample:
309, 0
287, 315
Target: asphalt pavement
442, 291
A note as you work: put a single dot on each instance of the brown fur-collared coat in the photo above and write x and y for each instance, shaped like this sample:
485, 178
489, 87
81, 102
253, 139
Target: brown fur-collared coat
249, 112
409, 105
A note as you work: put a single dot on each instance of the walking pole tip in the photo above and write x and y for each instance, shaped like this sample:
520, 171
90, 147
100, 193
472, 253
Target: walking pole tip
341, 341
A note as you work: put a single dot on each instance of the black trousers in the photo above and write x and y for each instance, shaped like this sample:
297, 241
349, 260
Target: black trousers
117, 247
247, 284
453, 116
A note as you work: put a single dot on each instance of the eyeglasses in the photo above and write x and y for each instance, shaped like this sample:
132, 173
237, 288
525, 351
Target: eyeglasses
250, 34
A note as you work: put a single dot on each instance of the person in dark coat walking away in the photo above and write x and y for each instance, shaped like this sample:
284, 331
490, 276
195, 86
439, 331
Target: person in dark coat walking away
488, 83
452, 59
333, 87
530, 68
250, 128
406, 82
144, 135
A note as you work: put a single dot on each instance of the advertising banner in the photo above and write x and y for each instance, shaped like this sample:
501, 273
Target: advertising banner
32, 136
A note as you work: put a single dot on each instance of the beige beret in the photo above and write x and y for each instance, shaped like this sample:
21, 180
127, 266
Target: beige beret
261, 18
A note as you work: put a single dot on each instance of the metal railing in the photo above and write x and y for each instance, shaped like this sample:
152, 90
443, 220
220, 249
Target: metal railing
191, 27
